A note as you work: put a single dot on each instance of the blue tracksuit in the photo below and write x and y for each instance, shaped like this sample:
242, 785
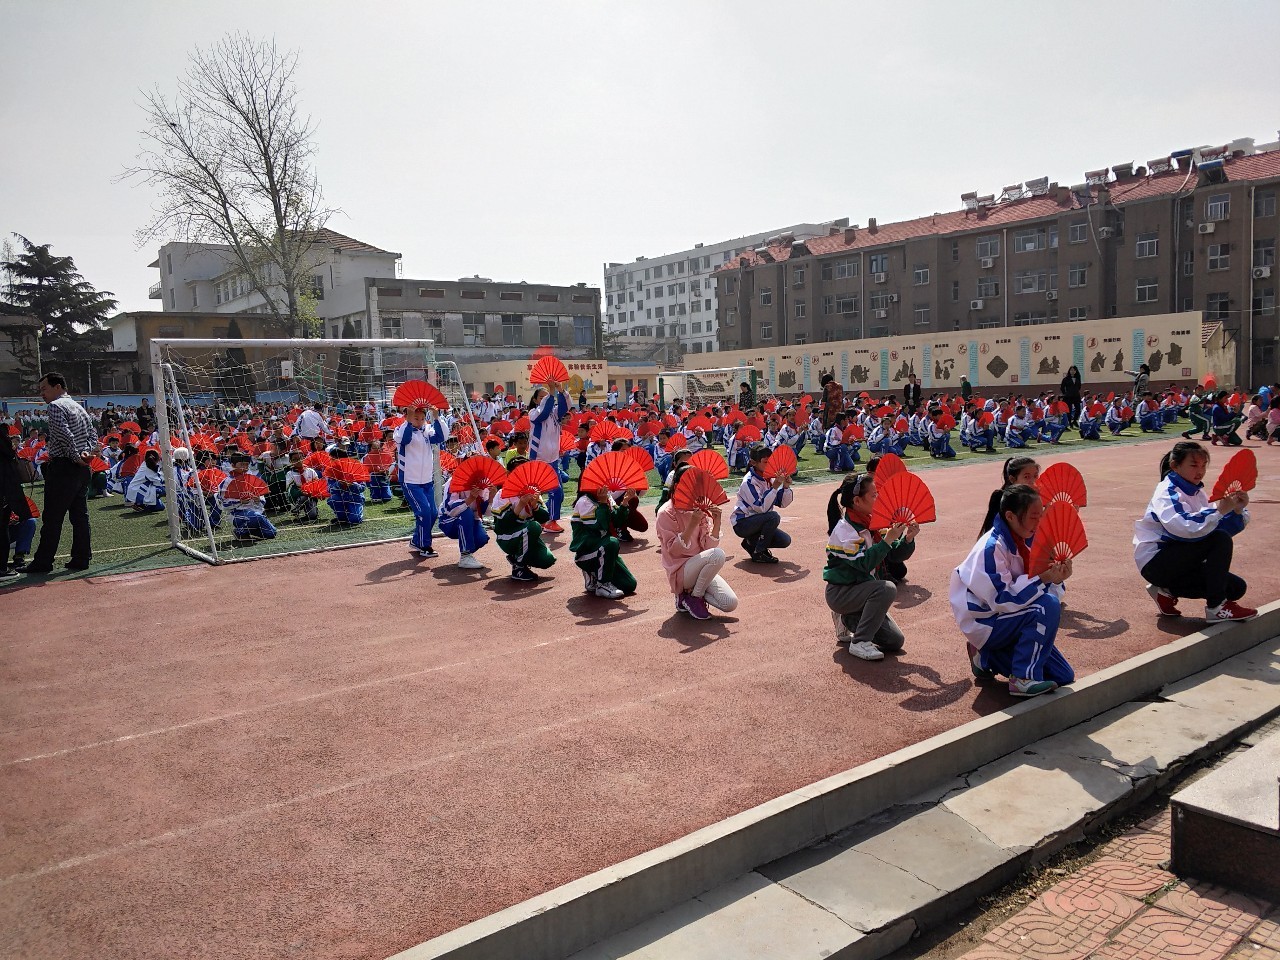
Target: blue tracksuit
347, 502
460, 522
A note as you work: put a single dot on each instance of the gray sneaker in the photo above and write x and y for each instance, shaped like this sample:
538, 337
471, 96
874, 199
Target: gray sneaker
609, 592
866, 650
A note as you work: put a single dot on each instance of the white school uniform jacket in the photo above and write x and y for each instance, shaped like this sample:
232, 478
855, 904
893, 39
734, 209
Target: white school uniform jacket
991, 583
834, 436
413, 450
1179, 511
295, 478
1017, 425
455, 504
146, 488
1113, 416
544, 431
757, 495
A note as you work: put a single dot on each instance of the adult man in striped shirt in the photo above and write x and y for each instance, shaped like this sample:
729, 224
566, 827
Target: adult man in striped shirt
73, 442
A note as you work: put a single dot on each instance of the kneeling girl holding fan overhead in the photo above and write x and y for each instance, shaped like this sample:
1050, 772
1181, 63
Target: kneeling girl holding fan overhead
688, 528
597, 509
1183, 542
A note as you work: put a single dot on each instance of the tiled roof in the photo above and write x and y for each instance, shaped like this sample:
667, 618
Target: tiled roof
337, 241
1207, 330
1260, 166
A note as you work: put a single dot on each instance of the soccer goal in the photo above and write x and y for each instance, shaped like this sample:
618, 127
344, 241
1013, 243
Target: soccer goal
215, 396
710, 385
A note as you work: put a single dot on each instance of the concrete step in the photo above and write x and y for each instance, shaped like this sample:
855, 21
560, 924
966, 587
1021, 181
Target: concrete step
854, 865
1226, 826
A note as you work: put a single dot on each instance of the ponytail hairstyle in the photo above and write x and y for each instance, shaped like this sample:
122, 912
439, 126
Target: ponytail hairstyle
852, 486
1013, 466
1181, 450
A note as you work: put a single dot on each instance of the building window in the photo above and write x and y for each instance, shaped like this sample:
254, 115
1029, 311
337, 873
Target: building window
548, 331
730, 317
988, 287
766, 331
766, 296
1264, 203
988, 323
878, 331
955, 251
1030, 281
1027, 318
431, 293
512, 330
706, 305
1026, 241
1217, 206
1264, 253
1078, 313
695, 286
518, 296
695, 307
391, 325
1217, 306
878, 301
473, 329
1188, 263
828, 306
1219, 256
922, 315
546, 297
987, 247
955, 291
678, 308
1078, 275
844, 269
1053, 237
697, 326
1148, 290
1264, 301
801, 339
879, 263
1148, 245
659, 312
671, 269
465, 294
729, 284
920, 274
671, 290
797, 277
1077, 232
848, 304
799, 309
1187, 305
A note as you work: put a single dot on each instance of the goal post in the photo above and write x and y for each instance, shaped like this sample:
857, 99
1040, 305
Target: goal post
205, 388
706, 385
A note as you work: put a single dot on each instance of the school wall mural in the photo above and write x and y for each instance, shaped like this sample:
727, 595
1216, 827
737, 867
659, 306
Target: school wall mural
1005, 357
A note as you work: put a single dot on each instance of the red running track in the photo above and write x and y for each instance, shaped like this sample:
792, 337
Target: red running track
343, 755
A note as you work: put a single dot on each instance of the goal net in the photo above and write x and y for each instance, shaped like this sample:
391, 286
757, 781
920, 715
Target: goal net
221, 401
709, 385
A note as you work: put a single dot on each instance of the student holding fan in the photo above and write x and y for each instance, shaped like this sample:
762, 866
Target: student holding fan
688, 528
1183, 546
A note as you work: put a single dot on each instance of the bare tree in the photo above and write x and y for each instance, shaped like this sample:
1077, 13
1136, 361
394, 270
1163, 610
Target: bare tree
231, 156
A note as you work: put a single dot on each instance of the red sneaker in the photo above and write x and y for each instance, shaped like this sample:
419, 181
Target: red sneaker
1229, 611
553, 526
1167, 603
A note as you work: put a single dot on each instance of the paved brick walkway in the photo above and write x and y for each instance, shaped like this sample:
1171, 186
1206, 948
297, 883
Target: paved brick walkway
1126, 906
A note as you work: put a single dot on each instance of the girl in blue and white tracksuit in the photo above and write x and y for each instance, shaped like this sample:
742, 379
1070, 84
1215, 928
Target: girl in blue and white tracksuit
1010, 619
346, 500
1016, 432
417, 441
1150, 419
939, 441
546, 410
460, 515
1053, 426
1090, 426
816, 434
917, 430
840, 456
1115, 422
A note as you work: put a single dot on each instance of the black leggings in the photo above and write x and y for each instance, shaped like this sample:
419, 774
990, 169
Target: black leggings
1197, 568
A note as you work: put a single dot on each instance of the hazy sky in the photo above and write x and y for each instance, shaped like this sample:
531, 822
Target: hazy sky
535, 141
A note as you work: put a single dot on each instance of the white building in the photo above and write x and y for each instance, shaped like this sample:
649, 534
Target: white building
673, 297
204, 278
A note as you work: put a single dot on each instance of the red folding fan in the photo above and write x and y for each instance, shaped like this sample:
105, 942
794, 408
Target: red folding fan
946, 422
671, 420
465, 435
698, 490
390, 423
771, 405
316, 489
854, 431
1126, 413
902, 424
882, 411
1059, 537
641, 456
318, 460
448, 462
494, 438
755, 420
568, 442
208, 479
1037, 414
131, 426
418, 393
1059, 407
476, 474
1097, 409
528, 478
781, 463
378, 461
889, 466
548, 370
711, 462
346, 470
986, 419
524, 425
1062, 482
606, 431
614, 470
903, 498
677, 442
1240, 475
98, 465
700, 422
806, 400
502, 426
244, 487
651, 429
748, 433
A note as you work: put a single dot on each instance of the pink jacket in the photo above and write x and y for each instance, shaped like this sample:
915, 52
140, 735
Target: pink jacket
675, 551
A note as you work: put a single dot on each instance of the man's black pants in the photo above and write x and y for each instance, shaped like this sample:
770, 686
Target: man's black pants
66, 488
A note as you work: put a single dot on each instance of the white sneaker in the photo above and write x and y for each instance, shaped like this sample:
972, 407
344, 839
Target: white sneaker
468, 562
866, 650
842, 632
609, 592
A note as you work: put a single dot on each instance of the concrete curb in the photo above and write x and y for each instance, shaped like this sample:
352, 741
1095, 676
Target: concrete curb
560, 922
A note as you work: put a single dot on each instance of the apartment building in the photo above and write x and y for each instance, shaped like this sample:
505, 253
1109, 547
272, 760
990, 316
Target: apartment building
199, 277
672, 298
1193, 231
478, 319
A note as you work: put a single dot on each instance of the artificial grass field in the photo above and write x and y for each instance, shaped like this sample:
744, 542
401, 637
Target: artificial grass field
125, 541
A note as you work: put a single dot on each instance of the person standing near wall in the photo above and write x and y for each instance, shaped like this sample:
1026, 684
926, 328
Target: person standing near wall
1070, 390
73, 442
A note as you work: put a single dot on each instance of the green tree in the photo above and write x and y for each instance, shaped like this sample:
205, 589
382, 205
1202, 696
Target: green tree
50, 288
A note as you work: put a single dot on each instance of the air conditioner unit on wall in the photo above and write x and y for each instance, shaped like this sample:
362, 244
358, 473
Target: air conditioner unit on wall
882, 314
1051, 295
988, 263
977, 304
1261, 273
879, 277
1106, 233
893, 298
1208, 227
